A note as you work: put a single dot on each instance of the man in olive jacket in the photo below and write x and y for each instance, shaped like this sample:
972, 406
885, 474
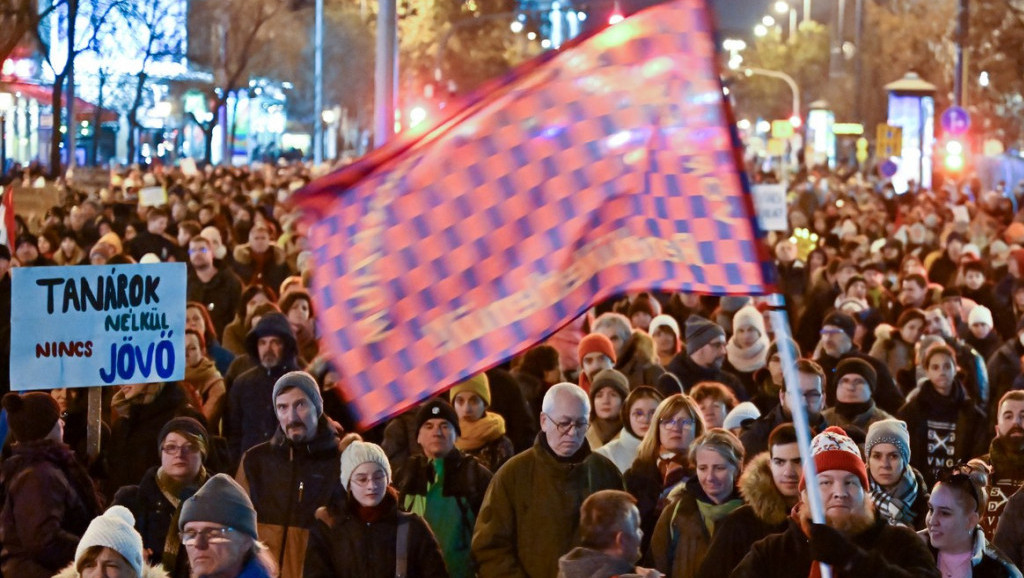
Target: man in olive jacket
530, 514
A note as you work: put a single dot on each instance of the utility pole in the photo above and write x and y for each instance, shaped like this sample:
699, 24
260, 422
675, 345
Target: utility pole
962, 19
318, 82
385, 74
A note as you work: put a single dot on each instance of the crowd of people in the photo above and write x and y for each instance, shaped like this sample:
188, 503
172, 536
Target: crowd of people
653, 436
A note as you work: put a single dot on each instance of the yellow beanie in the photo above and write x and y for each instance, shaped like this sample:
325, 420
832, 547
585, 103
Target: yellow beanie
477, 384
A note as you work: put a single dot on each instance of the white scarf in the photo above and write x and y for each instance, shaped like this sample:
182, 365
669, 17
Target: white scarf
750, 359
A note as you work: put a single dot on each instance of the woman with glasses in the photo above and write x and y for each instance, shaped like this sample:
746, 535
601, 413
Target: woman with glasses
686, 525
156, 501
662, 459
953, 535
637, 415
362, 532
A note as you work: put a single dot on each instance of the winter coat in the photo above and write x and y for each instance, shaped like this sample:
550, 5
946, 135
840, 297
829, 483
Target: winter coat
886, 552
1003, 367
583, 562
890, 349
861, 421
690, 374
621, 450
48, 505
341, 545
134, 438
287, 482
154, 514
1007, 476
147, 572
635, 362
764, 513
1009, 536
220, 295
530, 515
681, 538
987, 346
986, 560
886, 394
755, 434
273, 270
251, 418
644, 482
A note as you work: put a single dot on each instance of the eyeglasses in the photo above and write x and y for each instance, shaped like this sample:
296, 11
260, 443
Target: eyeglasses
811, 395
203, 250
364, 481
209, 535
831, 331
678, 423
173, 450
640, 414
565, 426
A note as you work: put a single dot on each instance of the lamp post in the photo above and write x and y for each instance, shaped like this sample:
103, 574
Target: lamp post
784, 77
782, 8
6, 105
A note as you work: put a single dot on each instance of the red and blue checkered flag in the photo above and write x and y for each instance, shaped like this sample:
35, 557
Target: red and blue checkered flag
604, 168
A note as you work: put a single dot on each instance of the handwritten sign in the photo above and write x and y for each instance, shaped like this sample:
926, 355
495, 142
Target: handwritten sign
770, 204
84, 326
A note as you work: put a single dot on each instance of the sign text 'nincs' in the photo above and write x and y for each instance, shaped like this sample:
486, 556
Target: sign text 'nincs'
84, 326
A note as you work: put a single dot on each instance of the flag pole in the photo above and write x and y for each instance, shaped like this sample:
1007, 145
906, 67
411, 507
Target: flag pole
783, 337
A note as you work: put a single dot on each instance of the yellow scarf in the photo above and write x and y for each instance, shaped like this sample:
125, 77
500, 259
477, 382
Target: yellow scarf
479, 433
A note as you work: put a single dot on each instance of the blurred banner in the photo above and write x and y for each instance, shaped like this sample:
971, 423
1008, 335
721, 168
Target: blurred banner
607, 167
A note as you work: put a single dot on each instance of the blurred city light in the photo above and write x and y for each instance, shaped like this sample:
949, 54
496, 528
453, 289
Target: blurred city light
760, 31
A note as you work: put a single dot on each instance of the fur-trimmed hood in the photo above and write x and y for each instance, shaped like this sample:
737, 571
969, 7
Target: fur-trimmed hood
243, 255
759, 491
147, 572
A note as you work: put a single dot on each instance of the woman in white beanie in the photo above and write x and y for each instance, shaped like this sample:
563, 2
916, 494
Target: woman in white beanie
111, 548
362, 533
747, 350
664, 329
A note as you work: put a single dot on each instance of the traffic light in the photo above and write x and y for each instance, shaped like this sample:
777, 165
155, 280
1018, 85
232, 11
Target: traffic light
954, 160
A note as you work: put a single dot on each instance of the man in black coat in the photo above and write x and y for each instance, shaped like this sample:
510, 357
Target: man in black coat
811, 381
836, 345
703, 358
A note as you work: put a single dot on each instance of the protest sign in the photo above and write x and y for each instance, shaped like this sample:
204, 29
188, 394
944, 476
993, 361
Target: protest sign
770, 205
83, 326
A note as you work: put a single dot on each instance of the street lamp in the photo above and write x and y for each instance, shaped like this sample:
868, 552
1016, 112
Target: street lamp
784, 77
760, 31
6, 105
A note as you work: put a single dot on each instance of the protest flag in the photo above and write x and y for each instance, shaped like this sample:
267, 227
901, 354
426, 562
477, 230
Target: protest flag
608, 167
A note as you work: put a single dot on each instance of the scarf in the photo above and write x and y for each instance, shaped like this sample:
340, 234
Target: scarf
672, 467
711, 513
851, 410
477, 434
203, 375
750, 359
896, 507
176, 493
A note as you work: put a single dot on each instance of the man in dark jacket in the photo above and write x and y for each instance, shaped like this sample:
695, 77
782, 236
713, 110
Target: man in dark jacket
852, 540
703, 358
836, 345
1005, 459
972, 366
218, 289
443, 485
530, 514
251, 416
294, 473
811, 381
770, 488
609, 539
1004, 365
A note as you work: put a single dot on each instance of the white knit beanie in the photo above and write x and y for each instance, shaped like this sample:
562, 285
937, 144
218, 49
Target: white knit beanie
749, 315
115, 529
665, 321
358, 453
980, 314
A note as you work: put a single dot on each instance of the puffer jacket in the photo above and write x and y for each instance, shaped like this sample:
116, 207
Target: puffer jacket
341, 545
986, 560
251, 418
287, 482
764, 513
49, 504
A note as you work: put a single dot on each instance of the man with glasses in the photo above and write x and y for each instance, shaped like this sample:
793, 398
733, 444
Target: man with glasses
218, 531
836, 344
811, 383
530, 513
218, 289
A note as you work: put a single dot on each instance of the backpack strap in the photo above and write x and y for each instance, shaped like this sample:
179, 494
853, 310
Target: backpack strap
402, 547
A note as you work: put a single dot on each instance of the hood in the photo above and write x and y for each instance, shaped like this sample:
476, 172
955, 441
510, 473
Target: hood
586, 563
147, 572
759, 491
272, 324
639, 349
243, 254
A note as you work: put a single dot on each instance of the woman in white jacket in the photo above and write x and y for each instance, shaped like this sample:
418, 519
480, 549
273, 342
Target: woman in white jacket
637, 412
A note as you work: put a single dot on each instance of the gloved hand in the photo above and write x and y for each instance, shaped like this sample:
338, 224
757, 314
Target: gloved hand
831, 547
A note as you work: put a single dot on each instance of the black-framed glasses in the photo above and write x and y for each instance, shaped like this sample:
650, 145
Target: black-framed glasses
173, 449
565, 426
678, 423
209, 535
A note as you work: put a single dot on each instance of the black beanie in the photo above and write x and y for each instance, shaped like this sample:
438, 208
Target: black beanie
437, 408
31, 416
185, 425
842, 321
859, 367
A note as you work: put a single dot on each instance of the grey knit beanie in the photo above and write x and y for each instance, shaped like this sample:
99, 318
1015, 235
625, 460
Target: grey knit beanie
304, 382
889, 431
221, 501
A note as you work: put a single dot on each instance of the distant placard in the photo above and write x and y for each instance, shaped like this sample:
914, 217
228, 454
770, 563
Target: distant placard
152, 197
82, 326
770, 203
